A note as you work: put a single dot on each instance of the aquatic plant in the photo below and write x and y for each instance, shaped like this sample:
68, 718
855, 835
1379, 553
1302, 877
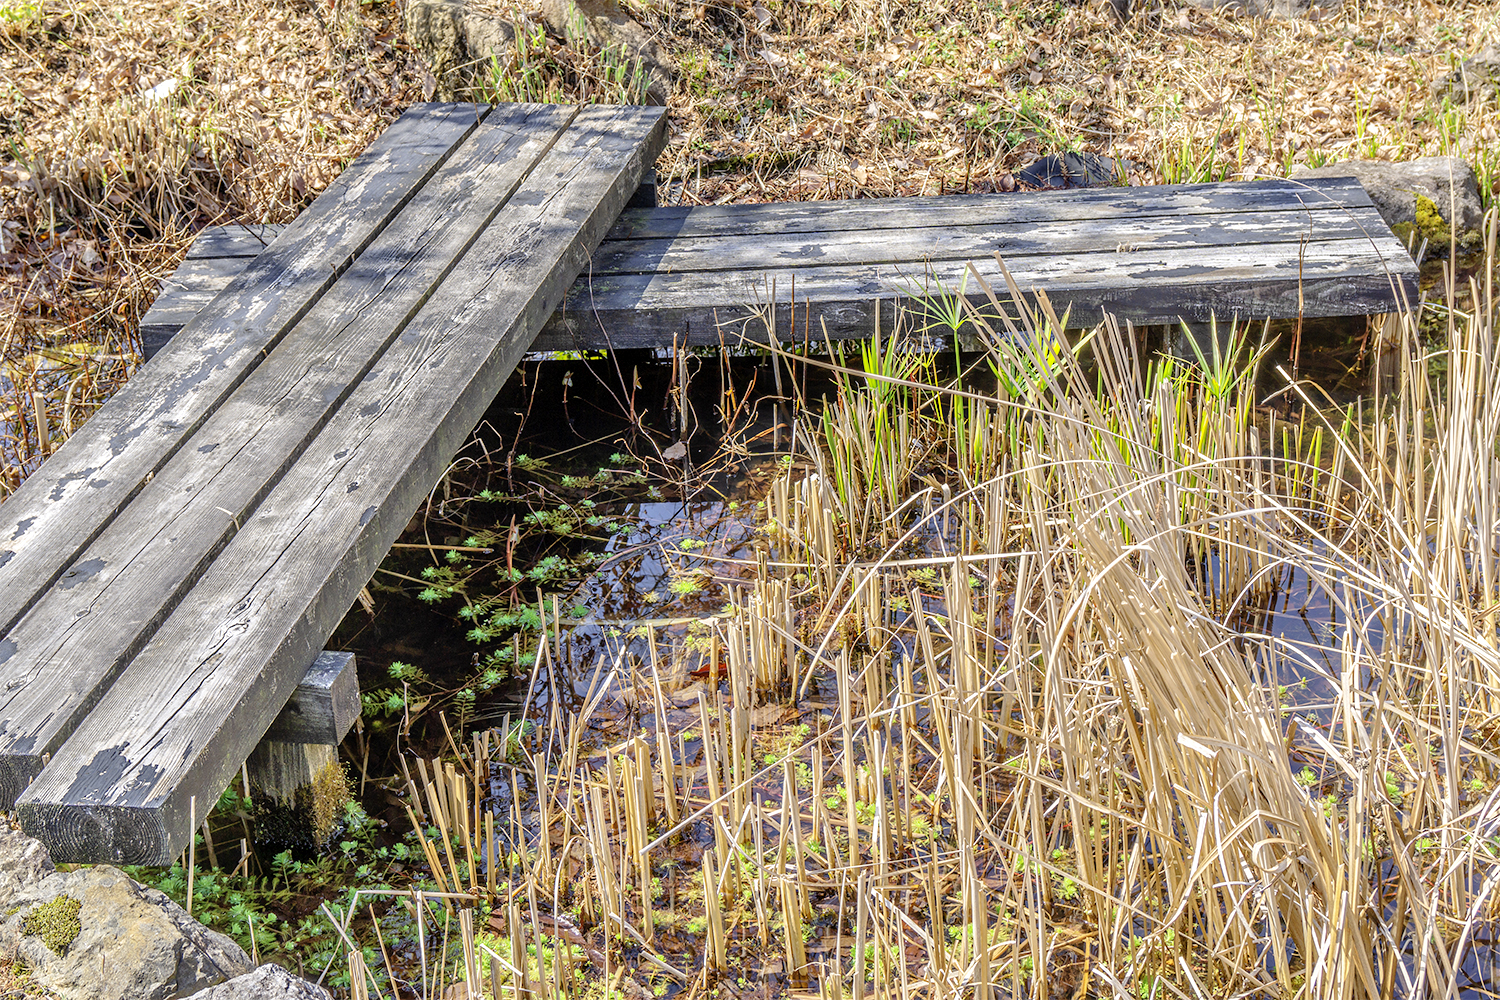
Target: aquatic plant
1049, 730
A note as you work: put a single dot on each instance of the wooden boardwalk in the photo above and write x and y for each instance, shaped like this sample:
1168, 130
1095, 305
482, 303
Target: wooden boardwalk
1147, 255
170, 574
167, 577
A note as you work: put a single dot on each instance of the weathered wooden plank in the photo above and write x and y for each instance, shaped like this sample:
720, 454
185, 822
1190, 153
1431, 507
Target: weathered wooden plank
1038, 207
299, 792
950, 239
174, 726
323, 706
645, 193
248, 239
955, 238
68, 501
640, 221
234, 240
183, 295
1336, 278
74, 641
221, 252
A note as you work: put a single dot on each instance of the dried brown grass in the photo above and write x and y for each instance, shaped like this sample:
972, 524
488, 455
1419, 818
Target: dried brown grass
1037, 750
102, 186
105, 176
834, 99
16, 984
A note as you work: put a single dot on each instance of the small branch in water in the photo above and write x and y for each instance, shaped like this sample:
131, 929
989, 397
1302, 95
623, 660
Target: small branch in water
441, 548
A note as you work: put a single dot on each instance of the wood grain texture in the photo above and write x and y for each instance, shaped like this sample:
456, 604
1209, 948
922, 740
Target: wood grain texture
1324, 278
1256, 233
780, 218
323, 706
174, 727
61, 507
66, 650
234, 240
786, 245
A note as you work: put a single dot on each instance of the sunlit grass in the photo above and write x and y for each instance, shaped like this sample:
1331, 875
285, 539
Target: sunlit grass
1053, 735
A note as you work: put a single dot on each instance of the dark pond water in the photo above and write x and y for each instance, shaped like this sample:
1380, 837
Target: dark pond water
666, 547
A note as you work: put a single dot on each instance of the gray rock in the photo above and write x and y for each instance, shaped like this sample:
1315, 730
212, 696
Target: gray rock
1476, 79
1286, 9
605, 25
130, 942
456, 42
23, 863
1408, 193
1072, 170
269, 982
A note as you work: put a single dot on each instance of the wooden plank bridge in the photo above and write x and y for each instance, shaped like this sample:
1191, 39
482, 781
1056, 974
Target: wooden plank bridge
169, 574
1156, 255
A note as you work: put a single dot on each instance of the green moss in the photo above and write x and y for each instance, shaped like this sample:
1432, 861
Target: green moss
56, 923
1430, 226
1430, 222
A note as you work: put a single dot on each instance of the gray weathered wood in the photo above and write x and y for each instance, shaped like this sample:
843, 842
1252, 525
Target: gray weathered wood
234, 240
781, 218
299, 791
750, 256
793, 245
1258, 233
645, 192
174, 725
72, 644
295, 778
1339, 278
242, 239
1039, 207
183, 295
324, 705
69, 500
220, 253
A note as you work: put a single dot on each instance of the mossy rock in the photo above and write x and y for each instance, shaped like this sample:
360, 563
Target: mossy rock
1432, 227
55, 922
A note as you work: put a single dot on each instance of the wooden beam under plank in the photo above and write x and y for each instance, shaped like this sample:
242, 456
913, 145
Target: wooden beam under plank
64, 505
71, 645
323, 706
173, 728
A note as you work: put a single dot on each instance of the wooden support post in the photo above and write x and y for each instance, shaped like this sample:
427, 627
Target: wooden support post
645, 194
296, 781
1178, 340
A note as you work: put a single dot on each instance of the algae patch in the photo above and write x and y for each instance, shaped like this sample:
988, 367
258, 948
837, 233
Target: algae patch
55, 922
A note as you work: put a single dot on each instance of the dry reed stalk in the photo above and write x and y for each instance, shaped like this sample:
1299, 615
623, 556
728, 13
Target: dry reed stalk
716, 955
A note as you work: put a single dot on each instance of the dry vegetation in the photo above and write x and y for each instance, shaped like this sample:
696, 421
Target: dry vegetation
997, 711
1070, 772
127, 127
